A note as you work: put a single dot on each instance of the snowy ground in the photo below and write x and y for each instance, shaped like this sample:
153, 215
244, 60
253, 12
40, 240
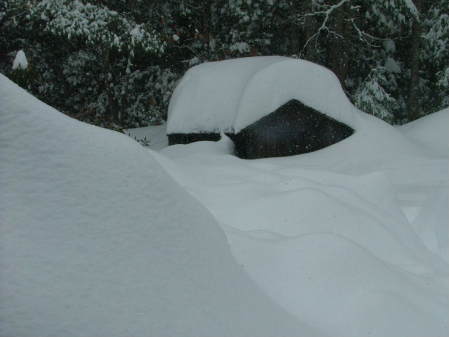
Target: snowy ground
98, 240
352, 239
154, 136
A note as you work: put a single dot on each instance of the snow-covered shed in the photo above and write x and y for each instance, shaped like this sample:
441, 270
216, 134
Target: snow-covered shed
269, 106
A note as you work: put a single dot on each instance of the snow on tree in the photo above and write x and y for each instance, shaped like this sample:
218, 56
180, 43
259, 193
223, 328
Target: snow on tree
20, 61
436, 48
96, 25
103, 46
372, 97
116, 62
358, 40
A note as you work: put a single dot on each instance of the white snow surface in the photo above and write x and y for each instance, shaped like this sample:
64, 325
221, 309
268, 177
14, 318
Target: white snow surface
154, 135
227, 96
20, 61
97, 240
326, 234
431, 132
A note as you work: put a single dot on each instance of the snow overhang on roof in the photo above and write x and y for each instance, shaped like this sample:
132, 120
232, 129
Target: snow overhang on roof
227, 96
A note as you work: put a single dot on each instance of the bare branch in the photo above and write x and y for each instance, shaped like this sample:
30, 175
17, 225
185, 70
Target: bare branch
323, 27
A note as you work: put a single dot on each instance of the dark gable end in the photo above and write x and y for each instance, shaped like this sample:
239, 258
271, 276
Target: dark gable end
186, 138
293, 128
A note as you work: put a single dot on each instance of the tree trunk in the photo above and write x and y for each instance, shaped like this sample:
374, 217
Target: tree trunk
112, 109
338, 54
310, 27
415, 48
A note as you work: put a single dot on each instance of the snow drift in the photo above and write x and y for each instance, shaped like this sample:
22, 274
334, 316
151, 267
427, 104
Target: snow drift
431, 132
97, 240
326, 237
329, 235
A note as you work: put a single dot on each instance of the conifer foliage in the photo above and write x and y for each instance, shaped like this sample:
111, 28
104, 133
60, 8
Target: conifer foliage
115, 62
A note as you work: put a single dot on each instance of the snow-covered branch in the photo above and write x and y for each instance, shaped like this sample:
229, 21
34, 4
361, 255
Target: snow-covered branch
96, 25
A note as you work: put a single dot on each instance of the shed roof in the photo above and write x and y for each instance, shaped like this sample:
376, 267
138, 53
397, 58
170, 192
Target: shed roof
227, 96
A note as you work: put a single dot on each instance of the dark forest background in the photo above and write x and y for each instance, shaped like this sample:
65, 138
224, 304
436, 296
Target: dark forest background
115, 63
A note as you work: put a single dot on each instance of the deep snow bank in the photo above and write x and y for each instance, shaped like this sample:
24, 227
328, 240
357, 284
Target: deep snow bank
324, 233
97, 240
431, 132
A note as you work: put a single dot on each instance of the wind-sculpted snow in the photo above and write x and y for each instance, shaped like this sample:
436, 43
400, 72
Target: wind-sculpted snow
326, 233
431, 132
97, 240
338, 284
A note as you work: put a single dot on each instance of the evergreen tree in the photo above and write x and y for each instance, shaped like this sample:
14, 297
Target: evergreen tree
435, 55
116, 62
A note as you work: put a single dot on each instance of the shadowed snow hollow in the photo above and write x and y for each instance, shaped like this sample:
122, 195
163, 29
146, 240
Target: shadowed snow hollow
97, 240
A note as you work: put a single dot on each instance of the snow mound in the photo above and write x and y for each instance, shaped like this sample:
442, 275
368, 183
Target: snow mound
97, 240
337, 284
324, 233
229, 95
432, 223
431, 132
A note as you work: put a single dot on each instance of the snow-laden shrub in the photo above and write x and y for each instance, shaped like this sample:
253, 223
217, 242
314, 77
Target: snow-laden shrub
372, 96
